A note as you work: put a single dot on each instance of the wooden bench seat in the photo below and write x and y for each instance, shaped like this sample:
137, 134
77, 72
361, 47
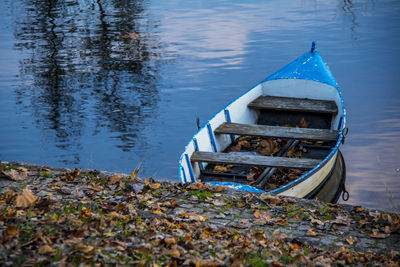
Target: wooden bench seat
294, 104
263, 161
277, 131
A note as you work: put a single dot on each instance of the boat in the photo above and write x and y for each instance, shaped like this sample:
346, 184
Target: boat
281, 137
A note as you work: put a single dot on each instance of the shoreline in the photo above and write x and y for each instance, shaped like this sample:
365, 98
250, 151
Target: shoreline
63, 217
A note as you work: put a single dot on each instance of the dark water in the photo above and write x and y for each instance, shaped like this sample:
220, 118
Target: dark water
114, 84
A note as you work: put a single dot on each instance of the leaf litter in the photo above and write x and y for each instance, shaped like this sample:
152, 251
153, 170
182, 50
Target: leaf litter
120, 220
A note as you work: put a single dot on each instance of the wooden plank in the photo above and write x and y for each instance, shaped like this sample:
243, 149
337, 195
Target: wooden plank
294, 104
277, 131
264, 161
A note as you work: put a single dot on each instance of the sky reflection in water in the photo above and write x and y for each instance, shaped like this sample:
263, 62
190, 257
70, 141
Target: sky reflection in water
112, 84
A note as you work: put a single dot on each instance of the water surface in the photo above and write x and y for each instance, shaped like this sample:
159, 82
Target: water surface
115, 84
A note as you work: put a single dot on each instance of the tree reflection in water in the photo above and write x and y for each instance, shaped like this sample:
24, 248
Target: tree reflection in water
89, 66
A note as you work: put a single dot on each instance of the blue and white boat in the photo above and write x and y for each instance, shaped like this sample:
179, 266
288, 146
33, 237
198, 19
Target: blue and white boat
305, 89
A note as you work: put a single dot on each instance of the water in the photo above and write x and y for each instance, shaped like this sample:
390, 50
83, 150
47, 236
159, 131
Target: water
117, 84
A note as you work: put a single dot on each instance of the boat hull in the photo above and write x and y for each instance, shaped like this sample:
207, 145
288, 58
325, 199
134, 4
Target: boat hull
238, 111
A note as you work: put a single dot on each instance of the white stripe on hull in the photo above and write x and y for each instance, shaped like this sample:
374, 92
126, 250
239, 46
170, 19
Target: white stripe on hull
308, 185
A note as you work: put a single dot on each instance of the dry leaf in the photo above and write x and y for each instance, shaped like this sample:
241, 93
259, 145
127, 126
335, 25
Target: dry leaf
268, 147
351, 240
311, 232
236, 148
218, 202
26, 199
378, 235
220, 169
183, 214
169, 240
175, 253
244, 143
237, 260
133, 174
157, 211
9, 233
115, 179
155, 186
219, 188
295, 246
240, 204
84, 248
46, 249
197, 217
304, 123
18, 174
242, 224
257, 214
313, 220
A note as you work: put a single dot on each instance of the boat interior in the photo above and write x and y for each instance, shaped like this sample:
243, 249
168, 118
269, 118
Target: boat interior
286, 137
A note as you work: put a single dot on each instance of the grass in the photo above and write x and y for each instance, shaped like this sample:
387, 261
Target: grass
45, 174
326, 213
202, 195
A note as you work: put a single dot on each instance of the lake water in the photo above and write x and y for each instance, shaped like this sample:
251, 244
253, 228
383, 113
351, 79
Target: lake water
114, 84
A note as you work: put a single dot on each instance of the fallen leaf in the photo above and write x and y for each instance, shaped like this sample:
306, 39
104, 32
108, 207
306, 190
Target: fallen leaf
133, 174
304, 123
311, 232
244, 143
242, 224
18, 174
175, 253
155, 186
78, 233
26, 199
359, 209
9, 233
236, 148
157, 211
257, 214
351, 240
169, 240
219, 188
46, 249
253, 174
84, 248
313, 220
378, 235
240, 204
197, 217
115, 179
218, 202
237, 260
281, 222
295, 246
220, 169
267, 147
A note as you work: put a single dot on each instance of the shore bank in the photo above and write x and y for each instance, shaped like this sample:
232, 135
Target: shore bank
60, 217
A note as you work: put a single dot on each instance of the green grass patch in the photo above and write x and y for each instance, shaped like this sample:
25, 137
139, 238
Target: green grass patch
202, 195
45, 174
326, 213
